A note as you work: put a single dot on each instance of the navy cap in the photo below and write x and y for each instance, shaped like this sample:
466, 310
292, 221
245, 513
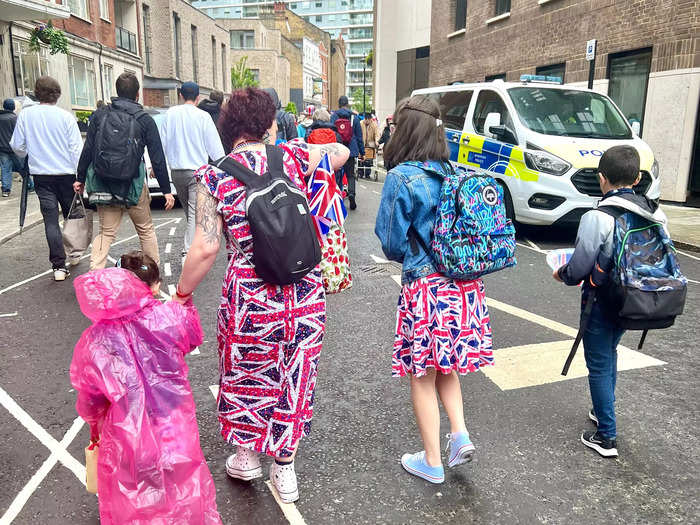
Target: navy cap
189, 90
343, 101
8, 104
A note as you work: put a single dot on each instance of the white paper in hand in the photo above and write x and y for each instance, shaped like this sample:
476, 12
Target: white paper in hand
558, 258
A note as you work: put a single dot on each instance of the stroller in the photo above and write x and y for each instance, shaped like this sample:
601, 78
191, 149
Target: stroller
366, 168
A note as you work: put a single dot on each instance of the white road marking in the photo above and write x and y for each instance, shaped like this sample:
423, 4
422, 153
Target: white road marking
167, 270
540, 364
694, 282
168, 247
376, 192
177, 221
528, 247
688, 255
397, 279
195, 351
171, 289
289, 510
47, 272
533, 318
171, 232
21, 499
363, 186
378, 260
13, 314
534, 246
42, 435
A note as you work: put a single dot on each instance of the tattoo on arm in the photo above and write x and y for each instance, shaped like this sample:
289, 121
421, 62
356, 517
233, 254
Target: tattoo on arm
206, 215
333, 150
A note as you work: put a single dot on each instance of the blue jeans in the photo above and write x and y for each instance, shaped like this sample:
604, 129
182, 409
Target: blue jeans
600, 342
6, 167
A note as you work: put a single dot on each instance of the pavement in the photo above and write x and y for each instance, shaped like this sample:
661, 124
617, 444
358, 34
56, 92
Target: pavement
9, 212
524, 417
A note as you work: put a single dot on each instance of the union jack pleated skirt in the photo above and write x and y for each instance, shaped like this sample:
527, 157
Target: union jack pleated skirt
442, 324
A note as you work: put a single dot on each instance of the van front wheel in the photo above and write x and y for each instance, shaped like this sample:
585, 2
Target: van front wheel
507, 202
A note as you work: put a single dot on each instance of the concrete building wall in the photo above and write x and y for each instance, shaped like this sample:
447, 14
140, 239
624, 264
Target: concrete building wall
338, 63
414, 20
7, 83
537, 34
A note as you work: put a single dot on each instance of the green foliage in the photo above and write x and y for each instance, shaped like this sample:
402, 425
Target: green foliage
369, 58
291, 108
241, 76
83, 116
49, 35
356, 96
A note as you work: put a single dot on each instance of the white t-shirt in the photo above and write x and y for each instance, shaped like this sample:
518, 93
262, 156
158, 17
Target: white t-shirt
51, 138
189, 138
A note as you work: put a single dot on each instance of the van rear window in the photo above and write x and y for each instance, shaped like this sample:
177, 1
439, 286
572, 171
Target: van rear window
569, 113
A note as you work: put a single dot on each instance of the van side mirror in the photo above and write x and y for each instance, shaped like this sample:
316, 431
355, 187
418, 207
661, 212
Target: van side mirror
636, 127
492, 120
503, 134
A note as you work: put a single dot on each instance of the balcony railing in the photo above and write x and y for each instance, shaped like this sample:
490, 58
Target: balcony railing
126, 40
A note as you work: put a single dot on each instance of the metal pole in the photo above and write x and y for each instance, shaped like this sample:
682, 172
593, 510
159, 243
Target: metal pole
591, 73
364, 87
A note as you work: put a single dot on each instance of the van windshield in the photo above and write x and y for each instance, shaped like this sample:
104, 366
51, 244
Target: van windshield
570, 113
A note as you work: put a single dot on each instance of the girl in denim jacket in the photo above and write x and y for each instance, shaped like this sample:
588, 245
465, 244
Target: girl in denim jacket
443, 327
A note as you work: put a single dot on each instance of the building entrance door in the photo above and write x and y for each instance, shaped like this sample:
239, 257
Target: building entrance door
629, 77
694, 185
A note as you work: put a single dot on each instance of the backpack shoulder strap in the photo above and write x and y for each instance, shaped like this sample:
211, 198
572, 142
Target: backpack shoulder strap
238, 171
275, 160
614, 211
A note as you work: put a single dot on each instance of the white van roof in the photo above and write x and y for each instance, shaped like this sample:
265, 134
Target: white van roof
498, 84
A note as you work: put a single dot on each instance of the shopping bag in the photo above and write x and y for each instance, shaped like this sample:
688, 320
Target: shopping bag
77, 228
91, 455
335, 264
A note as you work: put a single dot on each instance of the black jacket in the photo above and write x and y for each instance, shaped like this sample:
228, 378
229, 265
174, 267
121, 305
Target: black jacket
386, 135
149, 136
8, 120
212, 107
286, 125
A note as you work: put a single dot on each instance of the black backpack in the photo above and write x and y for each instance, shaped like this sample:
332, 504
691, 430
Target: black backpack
285, 246
118, 146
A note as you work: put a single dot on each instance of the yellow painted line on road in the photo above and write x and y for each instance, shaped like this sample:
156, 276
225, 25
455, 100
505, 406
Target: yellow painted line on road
541, 363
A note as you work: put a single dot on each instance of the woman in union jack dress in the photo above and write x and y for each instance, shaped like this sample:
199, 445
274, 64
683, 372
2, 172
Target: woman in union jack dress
269, 336
443, 328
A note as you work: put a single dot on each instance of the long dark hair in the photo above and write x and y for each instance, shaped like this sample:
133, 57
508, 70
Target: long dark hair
419, 134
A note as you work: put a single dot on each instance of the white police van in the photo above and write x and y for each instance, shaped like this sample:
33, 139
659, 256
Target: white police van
541, 140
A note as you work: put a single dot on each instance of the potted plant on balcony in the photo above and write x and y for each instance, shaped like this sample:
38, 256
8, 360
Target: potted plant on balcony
49, 35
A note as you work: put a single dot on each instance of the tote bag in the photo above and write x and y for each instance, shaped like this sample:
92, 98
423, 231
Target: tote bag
77, 228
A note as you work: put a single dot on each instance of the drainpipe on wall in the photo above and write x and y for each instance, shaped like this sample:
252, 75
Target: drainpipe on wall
102, 76
12, 59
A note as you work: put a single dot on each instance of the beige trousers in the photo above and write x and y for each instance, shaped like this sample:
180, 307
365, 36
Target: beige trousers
110, 219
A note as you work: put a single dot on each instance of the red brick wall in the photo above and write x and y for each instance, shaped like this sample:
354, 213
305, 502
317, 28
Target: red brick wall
154, 97
97, 30
538, 35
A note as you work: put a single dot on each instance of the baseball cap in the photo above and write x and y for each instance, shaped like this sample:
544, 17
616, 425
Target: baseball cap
189, 90
8, 104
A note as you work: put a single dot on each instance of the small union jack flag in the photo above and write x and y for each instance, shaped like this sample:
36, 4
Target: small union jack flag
325, 201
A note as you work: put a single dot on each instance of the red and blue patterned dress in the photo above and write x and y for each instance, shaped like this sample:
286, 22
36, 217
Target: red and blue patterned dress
269, 336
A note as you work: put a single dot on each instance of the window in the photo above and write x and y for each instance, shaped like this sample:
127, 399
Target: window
224, 67
177, 38
629, 78
195, 53
460, 14
555, 70
502, 7
104, 9
242, 39
213, 62
108, 86
491, 78
81, 74
256, 74
29, 66
453, 107
319, 19
79, 8
147, 36
490, 102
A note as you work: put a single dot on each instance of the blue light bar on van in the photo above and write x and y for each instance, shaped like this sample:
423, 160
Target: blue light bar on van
541, 78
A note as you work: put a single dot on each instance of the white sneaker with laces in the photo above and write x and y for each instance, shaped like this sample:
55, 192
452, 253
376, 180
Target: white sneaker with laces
60, 274
284, 480
244, 464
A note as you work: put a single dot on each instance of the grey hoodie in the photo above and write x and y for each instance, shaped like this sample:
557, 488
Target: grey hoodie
595, 233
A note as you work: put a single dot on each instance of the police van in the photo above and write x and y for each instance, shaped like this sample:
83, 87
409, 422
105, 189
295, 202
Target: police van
541, 140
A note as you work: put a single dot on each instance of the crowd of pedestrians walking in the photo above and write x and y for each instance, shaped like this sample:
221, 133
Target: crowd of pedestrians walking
128, 367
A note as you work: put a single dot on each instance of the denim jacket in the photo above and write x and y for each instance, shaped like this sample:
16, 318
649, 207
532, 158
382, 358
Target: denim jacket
410, 198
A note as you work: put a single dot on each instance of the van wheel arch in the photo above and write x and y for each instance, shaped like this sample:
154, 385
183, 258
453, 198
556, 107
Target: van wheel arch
507, 200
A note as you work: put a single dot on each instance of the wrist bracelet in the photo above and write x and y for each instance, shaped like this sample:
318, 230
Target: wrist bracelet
180, 294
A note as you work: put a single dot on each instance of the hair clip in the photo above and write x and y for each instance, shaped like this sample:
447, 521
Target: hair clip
438, 122
144, 267
118, 264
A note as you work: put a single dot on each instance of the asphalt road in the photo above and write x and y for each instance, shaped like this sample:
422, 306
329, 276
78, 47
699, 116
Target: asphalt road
530, 466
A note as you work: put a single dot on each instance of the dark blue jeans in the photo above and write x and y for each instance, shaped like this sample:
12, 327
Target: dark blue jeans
54, 191
600, 342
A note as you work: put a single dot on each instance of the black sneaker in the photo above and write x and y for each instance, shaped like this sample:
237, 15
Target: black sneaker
353, 204
605, 447
592, 417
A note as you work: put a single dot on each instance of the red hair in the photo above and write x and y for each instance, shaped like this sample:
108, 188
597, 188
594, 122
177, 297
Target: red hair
248, 115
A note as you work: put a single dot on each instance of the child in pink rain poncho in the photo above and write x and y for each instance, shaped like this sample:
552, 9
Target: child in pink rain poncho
131, 377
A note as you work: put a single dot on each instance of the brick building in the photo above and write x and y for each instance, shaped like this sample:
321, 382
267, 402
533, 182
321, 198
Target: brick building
181, 43
648, 61
103, 43
262, 46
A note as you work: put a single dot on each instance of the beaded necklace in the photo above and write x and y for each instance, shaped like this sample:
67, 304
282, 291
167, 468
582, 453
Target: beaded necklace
245, 144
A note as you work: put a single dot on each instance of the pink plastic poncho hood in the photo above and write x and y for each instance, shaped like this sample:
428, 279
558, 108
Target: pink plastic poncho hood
131, 377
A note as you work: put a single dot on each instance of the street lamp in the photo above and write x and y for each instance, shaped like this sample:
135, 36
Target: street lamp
364, 86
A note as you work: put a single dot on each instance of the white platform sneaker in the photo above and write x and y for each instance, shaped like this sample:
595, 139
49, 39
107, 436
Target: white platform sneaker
244, 464
284, 480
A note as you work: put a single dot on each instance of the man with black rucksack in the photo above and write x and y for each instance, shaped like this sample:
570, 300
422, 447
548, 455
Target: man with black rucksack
631, 280
286, 123
111, 166
350, 131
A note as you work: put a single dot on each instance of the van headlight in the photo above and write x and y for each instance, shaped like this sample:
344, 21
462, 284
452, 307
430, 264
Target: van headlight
546, 163
655, 169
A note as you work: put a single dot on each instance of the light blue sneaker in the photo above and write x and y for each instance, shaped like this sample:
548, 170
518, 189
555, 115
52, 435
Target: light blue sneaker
461, 449
415, 464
